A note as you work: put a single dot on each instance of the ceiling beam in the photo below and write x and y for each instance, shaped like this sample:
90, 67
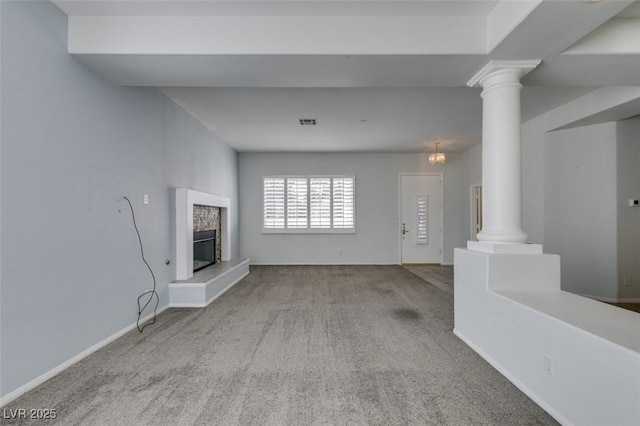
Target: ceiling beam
276, 35
614, 37
554, 26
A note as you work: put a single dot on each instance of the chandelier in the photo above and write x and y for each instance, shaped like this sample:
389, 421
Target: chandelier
436, 157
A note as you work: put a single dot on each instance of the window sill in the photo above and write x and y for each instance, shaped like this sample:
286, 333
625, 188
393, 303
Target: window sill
309, 231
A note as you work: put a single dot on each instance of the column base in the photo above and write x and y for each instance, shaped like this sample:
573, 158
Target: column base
512, 236
504, 248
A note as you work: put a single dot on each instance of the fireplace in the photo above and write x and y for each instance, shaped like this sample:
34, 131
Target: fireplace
204, 249
195, 212
206, 236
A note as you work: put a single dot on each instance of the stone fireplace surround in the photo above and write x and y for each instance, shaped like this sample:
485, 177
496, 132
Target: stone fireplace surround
207, 218
201, 288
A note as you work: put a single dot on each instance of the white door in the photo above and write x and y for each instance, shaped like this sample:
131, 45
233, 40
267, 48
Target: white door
421, 218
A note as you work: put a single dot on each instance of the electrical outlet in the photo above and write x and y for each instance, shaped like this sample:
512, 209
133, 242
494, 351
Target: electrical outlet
548, 365
146, 198
627, 281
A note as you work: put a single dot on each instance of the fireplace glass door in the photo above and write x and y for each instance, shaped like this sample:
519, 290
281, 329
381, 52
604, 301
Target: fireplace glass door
204, 249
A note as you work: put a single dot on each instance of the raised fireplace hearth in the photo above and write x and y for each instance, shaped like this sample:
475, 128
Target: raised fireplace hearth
203, 218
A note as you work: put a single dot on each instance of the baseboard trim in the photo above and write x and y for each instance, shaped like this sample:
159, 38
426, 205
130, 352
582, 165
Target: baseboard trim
321, 264
611, 299
58, 369
516, 382
336, 264
208, 302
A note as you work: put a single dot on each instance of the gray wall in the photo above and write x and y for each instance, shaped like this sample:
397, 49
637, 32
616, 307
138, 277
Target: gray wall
576, 185
377, 192
533, 133
628, 217
72, 145
580, 215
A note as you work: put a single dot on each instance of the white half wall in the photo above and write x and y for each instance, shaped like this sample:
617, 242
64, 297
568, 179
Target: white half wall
577, 358
377, 237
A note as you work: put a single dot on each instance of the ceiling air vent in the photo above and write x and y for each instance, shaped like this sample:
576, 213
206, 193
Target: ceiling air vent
307, 121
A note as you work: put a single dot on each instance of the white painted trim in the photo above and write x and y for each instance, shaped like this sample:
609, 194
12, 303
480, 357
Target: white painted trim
208, 302
611, 299
207, 283
187, 305
400, 175
494, 66
181, 228
60, 368
517, 383
308, 230
472, 236
188, 285
321, 264
504, 248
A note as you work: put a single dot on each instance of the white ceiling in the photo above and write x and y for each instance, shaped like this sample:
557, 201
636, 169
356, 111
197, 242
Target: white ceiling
349, 119
377, 75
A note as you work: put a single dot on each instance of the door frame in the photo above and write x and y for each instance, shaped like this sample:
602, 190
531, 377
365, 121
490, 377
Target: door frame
399, 227
472, 214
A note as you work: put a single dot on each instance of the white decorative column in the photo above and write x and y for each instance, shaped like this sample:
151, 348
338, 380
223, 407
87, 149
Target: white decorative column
501, 163
494, 277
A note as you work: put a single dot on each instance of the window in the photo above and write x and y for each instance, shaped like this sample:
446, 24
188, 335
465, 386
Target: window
314, 204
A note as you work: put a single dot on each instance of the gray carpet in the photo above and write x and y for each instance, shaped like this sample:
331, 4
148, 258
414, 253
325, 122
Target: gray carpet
301, 345
440, 276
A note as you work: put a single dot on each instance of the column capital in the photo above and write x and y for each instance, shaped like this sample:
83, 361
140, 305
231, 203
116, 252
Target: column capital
517, 68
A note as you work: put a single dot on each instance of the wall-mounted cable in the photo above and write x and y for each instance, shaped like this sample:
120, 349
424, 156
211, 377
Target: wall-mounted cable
151, 293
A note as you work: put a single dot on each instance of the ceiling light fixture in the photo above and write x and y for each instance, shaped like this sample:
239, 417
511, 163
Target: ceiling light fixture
436, 157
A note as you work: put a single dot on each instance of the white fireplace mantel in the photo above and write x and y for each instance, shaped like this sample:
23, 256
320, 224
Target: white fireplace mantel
185, 199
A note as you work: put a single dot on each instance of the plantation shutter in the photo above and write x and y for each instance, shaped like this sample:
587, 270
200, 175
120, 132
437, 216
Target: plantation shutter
274, 206
343, 201
308, 204
320, 203
297, 203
